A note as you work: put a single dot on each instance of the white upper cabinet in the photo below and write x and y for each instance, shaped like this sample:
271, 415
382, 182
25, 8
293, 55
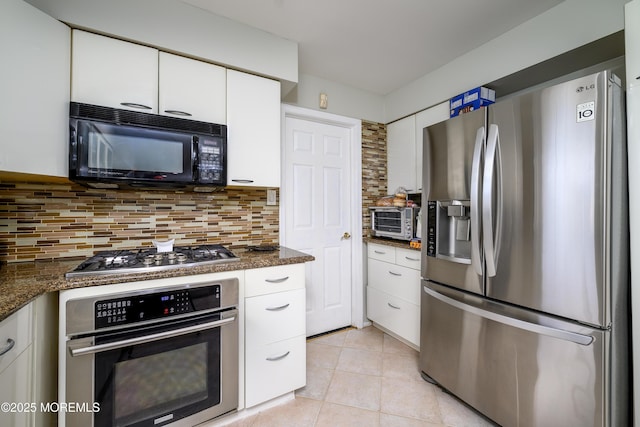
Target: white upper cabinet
401, 155
119, 74
114, 73
253, 126
192, 89
404, 148
34, 83
428, 117
632, 42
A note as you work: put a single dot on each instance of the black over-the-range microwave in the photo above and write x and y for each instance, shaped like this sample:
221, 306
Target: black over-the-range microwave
114, 148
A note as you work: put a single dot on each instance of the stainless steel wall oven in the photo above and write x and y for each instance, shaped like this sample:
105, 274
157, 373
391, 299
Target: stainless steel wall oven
150, 357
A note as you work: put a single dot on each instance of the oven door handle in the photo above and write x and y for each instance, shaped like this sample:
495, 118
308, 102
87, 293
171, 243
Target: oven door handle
149, 338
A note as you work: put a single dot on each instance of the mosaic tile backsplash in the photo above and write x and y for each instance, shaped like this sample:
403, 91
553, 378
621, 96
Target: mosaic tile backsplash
46, 221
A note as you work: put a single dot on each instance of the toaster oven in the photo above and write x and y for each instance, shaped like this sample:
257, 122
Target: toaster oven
394, 222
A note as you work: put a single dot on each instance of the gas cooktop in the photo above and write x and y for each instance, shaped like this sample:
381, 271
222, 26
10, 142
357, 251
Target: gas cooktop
149, 260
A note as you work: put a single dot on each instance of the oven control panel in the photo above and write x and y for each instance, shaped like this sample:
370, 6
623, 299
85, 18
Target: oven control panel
154, 305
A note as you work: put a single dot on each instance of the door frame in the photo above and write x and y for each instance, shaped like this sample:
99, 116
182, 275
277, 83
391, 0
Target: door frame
355, 133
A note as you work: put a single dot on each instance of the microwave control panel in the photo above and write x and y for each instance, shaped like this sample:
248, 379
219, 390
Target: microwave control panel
155, 305
210, 160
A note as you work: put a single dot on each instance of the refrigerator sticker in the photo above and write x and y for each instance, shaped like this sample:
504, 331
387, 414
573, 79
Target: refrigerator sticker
586, 111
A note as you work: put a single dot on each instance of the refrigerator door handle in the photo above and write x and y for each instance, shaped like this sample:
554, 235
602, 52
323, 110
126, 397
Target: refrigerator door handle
492, 167
510, 321
476, 183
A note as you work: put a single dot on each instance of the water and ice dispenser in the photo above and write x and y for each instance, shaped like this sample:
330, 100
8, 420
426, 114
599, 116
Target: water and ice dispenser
449, 230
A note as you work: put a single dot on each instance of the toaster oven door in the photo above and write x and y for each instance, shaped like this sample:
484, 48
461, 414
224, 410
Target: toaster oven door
393, 223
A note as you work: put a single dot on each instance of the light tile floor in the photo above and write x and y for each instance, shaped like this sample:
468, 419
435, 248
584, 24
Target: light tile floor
365, 378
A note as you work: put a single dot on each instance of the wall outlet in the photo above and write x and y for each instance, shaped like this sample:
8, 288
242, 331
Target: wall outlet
271, 198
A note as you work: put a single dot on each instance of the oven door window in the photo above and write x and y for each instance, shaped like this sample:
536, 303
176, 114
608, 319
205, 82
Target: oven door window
159, 382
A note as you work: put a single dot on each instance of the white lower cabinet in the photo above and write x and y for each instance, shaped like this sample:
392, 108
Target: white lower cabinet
395, 314
275, 369
275, 341
393, 292
16, 368
28, 363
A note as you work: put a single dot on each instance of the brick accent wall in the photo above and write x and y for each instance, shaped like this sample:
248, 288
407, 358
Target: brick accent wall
374, 168
46, 221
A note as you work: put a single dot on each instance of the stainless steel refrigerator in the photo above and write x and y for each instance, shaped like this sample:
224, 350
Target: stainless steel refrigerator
524, 306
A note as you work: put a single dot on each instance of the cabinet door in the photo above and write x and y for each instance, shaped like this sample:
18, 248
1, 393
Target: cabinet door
274, 317
15, 388
408, 258
16, 366
114, 73
428, 117
253, 120
192, 89
632, 42
395, 314
15, 335
394, 279
381, 252
268, 280
401, 155
275, 369
35, 51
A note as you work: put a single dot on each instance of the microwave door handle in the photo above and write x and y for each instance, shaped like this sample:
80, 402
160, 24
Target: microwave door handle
150, 338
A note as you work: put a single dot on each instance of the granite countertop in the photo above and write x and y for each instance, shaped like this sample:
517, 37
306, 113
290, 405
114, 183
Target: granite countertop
390, 242
22, 282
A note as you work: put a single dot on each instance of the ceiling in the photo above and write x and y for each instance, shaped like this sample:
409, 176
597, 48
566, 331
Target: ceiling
379, 45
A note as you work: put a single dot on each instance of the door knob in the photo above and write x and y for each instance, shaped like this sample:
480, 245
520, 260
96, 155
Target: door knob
346, 236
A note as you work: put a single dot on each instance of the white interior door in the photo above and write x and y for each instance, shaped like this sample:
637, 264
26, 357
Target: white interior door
318, 216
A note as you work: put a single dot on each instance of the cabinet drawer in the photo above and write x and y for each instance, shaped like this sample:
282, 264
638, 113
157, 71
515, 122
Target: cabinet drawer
408, 258
274, 317
381, 252
402, 282
395, 314
15, 332
275, 369
261, 281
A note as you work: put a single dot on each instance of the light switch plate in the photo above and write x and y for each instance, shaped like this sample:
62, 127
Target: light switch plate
271, 197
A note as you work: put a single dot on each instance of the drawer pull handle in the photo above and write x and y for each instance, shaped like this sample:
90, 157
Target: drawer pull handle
7, 348
136, 105
282, 307
276, 358
394, 274
380, 252
412, 259
277, 280
393, 306
243, 181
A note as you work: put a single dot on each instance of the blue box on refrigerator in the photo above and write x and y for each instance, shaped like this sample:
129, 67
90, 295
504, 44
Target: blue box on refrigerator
471, 100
